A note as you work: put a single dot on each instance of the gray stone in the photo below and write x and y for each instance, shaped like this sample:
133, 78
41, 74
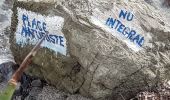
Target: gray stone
6, 70
36, 83
33, 94
77, 97
51, 93
1, 77
98, 64
3, 18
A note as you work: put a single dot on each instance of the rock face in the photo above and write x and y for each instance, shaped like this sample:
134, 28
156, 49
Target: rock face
104, 60
5, 15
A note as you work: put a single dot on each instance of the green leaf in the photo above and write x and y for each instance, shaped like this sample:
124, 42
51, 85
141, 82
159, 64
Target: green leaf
8, 92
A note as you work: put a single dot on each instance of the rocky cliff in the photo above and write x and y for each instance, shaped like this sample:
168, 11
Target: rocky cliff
114, 48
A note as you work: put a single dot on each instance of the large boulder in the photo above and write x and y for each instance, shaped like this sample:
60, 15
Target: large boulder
104, 60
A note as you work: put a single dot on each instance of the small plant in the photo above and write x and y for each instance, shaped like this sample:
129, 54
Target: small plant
7, 94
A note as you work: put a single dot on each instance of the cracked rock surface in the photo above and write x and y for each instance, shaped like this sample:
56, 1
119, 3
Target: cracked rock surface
98, 64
